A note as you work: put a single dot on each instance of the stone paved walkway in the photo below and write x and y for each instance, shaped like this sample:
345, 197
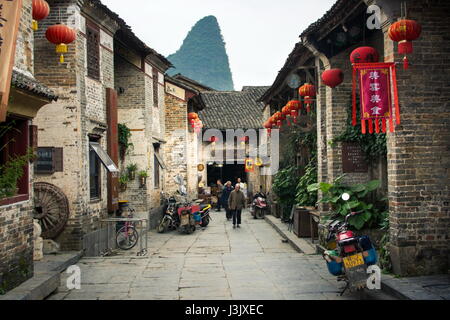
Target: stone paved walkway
216, 263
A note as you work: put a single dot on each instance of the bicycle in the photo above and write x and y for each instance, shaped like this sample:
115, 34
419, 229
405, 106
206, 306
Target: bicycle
127, 235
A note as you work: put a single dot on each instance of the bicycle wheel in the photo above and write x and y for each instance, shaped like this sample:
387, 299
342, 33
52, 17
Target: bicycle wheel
127, 238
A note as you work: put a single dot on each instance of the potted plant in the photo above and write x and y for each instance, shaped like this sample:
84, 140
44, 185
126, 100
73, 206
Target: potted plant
123, 182
143, 177
132, 168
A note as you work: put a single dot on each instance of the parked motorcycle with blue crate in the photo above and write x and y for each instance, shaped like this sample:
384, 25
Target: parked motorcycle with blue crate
348, 256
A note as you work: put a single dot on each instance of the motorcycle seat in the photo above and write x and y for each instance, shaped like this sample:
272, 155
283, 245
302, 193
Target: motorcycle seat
204, 206
348, 241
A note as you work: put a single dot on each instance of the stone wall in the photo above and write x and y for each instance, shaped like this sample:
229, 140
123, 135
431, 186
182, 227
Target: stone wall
16, 222
80, 110
419, 150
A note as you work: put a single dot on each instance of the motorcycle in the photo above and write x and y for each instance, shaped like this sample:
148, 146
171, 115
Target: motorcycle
348, 256
170, 220
203, 217
259, 205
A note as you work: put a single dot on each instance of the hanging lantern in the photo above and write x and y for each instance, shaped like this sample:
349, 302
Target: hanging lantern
364, 55
198, 126
308, 91
294, 107
213, 139
244, 140
41, 10
279, 119
286, 112
333, 77
404, 32
61, 35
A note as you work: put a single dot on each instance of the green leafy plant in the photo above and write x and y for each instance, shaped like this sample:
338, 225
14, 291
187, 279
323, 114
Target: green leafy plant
124, 140
373, 145
304, 197
123, 179
359, 194
143, 174
132, 167
284, 186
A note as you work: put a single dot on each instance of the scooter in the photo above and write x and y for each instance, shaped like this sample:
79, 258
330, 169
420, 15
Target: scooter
203, 217
170, 220
348, 256
259, 205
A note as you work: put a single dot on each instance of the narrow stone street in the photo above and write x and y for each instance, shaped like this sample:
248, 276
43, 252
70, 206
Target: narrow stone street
217, 263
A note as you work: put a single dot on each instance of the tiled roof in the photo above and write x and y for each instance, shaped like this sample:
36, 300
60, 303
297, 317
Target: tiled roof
233, 109
21, 81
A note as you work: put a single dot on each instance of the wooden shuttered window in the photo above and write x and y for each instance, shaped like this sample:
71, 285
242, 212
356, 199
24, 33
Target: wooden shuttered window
155, 88
93, 50
49, 160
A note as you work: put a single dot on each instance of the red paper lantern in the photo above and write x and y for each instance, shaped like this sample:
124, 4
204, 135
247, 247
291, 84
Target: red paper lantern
308, 91
41, 10
333, 77
61, 35
364, 55
213, 139
404, 32
192, 115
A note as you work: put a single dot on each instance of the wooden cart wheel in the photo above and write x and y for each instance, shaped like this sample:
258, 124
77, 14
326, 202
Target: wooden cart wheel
51, 208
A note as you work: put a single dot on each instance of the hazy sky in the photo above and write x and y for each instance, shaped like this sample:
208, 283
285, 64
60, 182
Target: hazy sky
259, 34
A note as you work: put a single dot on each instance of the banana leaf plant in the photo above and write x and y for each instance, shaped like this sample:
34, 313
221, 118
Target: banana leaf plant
359, 194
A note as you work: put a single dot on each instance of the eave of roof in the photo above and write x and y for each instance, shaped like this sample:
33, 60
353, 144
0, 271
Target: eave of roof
129, 34
181, 84
181, 77
24, 82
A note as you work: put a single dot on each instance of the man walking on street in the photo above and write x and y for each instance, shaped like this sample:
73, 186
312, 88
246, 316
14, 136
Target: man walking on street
236, 203
224, 199
219, 195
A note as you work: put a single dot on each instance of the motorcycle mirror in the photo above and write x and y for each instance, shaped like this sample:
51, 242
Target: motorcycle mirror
345, 197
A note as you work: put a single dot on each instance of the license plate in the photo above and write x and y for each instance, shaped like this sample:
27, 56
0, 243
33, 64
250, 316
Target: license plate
353, 261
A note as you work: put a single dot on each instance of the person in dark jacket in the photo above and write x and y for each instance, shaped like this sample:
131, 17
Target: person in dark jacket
236, 203
219, 195
225, 195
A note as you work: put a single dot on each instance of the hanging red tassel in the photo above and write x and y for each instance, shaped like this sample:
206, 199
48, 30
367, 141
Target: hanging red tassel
391, 125
308, 108
370, 126
383, 125
377, 126
354, 98
288, 122
405, 63
363, 126
396, 103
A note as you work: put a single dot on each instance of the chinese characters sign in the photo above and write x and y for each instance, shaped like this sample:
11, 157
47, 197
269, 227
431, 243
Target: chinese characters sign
353, 160
375, 81
10, 11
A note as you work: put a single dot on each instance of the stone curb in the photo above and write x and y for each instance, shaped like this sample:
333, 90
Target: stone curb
298, 244
46, 279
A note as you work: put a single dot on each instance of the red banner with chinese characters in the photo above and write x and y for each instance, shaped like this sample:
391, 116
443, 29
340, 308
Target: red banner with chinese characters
375, 83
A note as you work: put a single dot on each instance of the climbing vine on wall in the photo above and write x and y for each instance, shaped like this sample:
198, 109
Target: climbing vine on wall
373, 145
124, 140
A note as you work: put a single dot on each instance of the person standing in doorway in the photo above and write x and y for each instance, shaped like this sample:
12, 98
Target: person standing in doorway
224, 199
236, 203
219, 195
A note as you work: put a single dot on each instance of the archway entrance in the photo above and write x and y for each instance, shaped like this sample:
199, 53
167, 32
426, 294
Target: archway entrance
226, 172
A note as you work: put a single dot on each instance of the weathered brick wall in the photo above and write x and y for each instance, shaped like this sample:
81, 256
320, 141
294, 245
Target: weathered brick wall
176, 136
135, 111
419, 150
80, 110
16, 220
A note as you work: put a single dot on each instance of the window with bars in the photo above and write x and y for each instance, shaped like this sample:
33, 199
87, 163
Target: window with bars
49, 160
155, 88
93, 51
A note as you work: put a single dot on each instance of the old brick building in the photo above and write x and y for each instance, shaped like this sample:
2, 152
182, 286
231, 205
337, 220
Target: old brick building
417, 164
74, 132
139, 80
17, 133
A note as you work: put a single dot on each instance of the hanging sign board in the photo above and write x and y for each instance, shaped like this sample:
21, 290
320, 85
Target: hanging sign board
10, 11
